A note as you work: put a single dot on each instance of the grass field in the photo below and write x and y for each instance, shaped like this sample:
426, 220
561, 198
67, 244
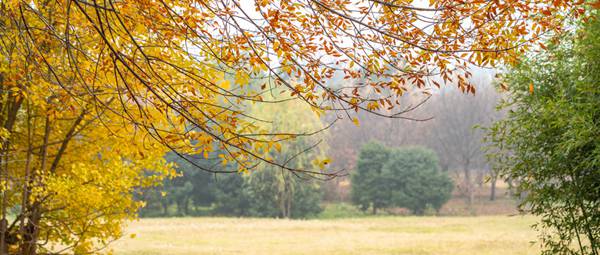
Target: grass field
371, 235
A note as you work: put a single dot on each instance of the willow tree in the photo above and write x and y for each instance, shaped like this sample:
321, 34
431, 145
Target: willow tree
91, 90
289, 194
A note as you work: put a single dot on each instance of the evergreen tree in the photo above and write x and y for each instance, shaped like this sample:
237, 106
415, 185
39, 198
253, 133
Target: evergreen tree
414, 180
407, 177
367, 182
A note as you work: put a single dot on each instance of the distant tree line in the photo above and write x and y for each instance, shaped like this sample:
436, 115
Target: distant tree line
264, 193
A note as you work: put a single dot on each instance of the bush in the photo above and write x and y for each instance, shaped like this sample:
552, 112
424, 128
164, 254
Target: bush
407, 177
340, 210
414, 180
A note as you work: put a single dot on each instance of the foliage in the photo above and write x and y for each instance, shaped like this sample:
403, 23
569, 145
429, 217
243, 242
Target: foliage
268, 191
550, 140
232, 197
340, 211
192, 187
405, 177
367, 178
273, 194
291, 195
413, 180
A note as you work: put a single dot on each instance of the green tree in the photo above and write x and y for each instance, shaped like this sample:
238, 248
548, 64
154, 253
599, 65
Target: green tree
232, 197
192, 188
550, 140
367, 190
278, 193
414, 180
269, 190
406, 177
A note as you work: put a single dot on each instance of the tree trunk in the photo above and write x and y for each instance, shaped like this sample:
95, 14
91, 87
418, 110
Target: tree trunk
186, 206
32, 228
165, 207
374, 210
493, 187
468, 186
510, 187
289, 208
3, 244
30, 237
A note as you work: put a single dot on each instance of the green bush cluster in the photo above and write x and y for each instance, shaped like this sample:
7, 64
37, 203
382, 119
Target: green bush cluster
399, 177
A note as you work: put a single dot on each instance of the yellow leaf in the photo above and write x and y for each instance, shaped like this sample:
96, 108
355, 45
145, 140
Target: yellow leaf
277, 147
225, 84
355, 121
323, 163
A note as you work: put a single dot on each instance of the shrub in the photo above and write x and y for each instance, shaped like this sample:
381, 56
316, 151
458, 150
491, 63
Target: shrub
414, 180
407, 177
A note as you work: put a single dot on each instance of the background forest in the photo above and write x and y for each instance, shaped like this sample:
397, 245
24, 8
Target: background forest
448, 123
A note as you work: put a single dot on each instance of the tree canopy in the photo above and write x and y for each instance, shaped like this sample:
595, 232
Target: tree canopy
414, 180
549, 142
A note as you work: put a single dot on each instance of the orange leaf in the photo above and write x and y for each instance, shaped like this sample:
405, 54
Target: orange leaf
531, 88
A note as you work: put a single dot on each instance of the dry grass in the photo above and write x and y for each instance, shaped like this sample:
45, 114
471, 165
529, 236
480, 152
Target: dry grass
382, 235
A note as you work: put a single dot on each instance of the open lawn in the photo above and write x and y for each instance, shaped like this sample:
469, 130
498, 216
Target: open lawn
369, 235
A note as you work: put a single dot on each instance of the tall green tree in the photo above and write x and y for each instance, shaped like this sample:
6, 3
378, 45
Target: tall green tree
414, 180
550, 140
367, 190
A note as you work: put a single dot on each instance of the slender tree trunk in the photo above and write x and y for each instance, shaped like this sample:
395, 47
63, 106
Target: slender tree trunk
165, 207
493, 187
32, 228
468, 186
186, 206
3, 245
27, 181
510, 187
289, 206
31, 232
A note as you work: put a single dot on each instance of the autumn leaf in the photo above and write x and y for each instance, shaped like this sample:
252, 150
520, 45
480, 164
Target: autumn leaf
531, 88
